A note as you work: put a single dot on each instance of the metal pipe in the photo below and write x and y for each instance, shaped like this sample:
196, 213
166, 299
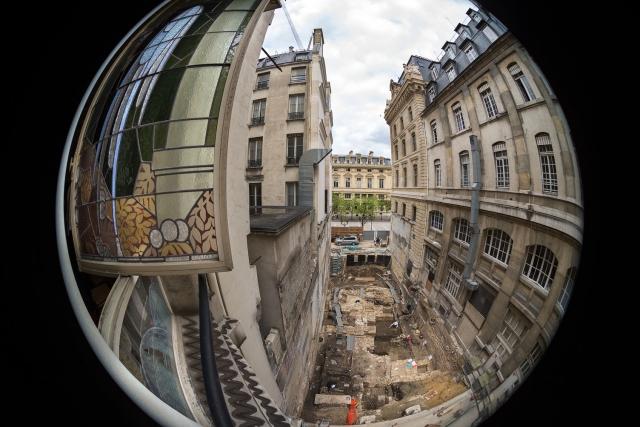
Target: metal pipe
215, 397
475, 208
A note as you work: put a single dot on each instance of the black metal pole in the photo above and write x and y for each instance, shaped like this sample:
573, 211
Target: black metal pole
215, 397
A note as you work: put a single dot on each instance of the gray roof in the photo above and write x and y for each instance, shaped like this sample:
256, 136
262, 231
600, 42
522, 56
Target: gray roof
283, 58
275, 219
460, 61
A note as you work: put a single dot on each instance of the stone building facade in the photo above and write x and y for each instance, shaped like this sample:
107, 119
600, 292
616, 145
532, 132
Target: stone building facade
357, 175
529, 227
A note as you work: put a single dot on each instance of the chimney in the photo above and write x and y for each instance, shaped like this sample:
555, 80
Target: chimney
351, 152
290, 48
370, 153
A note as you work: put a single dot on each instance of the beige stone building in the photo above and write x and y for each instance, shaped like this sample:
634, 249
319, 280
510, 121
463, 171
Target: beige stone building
528, 231
356, 175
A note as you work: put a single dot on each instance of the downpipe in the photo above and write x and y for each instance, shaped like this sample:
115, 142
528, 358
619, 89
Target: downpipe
476, 185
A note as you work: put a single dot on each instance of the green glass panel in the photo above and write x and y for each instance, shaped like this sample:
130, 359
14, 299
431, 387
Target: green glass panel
217, 99
243, 4
228, 21
161, 100
211, 132
183, 51
212, 49
195, 93
128, 163
145, 140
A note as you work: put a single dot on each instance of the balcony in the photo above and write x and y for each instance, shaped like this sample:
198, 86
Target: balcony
297, 115
262, 85
257, 121
253, 164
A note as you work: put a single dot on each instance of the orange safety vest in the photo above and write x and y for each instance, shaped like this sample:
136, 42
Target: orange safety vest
352, 415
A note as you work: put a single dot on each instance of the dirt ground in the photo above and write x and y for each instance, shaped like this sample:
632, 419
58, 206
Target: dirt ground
386, 368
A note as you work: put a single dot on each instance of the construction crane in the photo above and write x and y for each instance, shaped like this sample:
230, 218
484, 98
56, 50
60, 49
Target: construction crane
293, 29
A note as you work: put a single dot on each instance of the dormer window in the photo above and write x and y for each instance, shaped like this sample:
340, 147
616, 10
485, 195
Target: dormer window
451, 52
488, 31
470, 52
451, 72
302, 57
476, 16
432, 93
434, 72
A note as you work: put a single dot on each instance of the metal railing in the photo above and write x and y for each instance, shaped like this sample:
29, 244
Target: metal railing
297, 115
263, 85
255, 163
298, 78
292, 160
257, 120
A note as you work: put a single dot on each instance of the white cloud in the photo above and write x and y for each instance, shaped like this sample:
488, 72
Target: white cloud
366, 43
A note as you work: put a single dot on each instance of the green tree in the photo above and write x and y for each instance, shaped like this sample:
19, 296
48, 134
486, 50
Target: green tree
365, 209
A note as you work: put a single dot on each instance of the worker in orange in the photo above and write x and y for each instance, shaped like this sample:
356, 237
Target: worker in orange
352, 415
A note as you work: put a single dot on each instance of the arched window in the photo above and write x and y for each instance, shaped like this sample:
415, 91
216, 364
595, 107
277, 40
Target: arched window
547, 164
502, 164
464, 169
437, 171
567, 288
498, 245
436, 220
489, 102
434, 132
458, 116
521, 81
462, 230
540, 265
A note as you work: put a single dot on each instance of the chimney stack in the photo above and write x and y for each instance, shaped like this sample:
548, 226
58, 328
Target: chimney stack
370, 153
290, 48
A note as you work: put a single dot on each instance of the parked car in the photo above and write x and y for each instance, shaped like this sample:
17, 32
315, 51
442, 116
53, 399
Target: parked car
347, 241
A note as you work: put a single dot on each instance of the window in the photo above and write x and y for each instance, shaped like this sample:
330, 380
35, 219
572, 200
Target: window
298, 75
262, 81
462, 230
498, 245
395, 147
302, 57
401, 123
436, 220
488, 31
347, 195
502, 165
414, 213
396, 207
451, 72
255, 152
458, 116
415, 175
432, 93
369, 182
414, 143
336, 183
257, 113
395, 131
255, 195
482, 299
404, 210
434, 132
404, 148
296, 107
470, 52
476, 17
359, 182
547, 164
434, 72
294, 148
397, 178
404, 177
531, 360
540, 265
381, 183
430, 257
410, 114
521, 82
567, 288
464, 169
347, 182
437, 172
454, 278
292, 193
513, 329
488, 100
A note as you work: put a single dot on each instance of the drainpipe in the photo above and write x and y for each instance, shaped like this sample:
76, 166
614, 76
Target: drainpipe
475, 207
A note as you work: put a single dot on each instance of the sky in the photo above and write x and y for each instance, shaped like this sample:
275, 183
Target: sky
366, 43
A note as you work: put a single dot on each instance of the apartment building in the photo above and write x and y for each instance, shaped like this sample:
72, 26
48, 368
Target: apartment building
485, 98
358, 176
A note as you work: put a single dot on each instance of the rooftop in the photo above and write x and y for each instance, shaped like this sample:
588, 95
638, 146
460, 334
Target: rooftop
275, 219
